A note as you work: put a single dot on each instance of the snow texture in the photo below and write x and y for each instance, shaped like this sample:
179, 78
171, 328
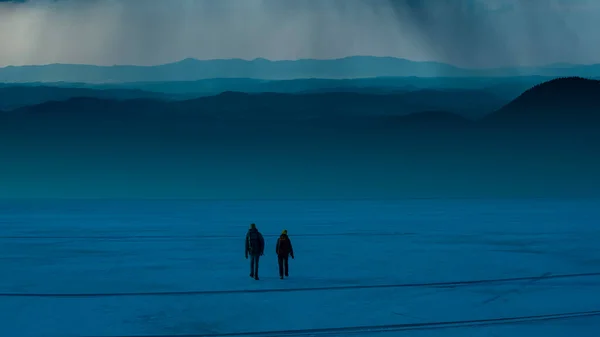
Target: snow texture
49, 248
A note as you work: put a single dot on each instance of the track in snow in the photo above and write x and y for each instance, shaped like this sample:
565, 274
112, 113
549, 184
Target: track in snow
288, 290
395, 327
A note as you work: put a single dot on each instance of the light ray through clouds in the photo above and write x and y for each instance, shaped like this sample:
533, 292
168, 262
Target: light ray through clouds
469, 33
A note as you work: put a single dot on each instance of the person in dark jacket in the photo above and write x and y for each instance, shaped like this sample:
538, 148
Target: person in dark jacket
284, 250
255, 246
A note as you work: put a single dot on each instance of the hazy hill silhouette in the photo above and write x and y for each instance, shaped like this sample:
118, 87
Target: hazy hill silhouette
364, 90
562, 102
192, 69
568, 101
214, 86
338, 145
349, 67
231, 105
12, 97
504, 87
338, 115
82, 107
468, 103
565, 102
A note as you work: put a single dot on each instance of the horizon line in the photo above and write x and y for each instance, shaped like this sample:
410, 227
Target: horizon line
257, 59
43, 83
315, 198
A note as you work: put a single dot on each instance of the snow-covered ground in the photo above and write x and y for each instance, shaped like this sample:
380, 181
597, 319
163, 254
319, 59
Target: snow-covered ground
182, 263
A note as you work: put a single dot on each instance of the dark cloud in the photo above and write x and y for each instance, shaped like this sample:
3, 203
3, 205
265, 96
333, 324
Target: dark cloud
471, 32
464, 32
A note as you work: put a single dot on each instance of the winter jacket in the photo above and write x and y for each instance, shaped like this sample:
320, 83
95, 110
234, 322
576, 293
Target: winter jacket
255, 243
284, 246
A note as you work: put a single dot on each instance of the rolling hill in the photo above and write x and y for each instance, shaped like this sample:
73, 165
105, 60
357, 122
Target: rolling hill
505, 87
223, 145
566, 101
228, 105
559, 103
13, 97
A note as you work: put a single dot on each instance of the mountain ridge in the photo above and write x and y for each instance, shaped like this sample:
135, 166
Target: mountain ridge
465, 102
178, 149
561, 102
341, 68
13, 97
564, 101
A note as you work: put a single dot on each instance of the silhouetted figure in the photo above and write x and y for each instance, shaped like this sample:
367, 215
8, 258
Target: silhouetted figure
255, 246
284, 250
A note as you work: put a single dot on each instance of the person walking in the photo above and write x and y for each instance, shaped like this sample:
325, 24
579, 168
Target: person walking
284, 250
255, 247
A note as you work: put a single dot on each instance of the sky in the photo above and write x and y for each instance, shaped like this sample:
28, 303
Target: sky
466, 33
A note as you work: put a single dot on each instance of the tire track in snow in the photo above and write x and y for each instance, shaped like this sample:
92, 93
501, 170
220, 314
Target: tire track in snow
343, 331
307, 289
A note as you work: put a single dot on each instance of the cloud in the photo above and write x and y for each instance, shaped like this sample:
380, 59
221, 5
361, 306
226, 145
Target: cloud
463, 32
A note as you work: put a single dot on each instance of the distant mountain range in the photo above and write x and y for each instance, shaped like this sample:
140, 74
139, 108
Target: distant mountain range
12, 97
568, 101
544, 143
471, 98
467, 103
507, 87
493, 91
344, 68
